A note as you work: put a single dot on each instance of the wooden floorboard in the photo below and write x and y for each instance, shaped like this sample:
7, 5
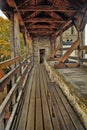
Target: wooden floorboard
39, 122
31, 113
46, 113
45, 106
23, 117
60, 102
55, 123
69, 109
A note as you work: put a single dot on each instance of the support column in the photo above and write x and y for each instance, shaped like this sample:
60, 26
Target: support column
17, 35
13, 51
82, 39
53, 42
25, 42
53, 46
61, 43
15, 46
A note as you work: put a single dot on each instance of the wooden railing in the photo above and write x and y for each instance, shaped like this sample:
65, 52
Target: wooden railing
66, 55
17, 77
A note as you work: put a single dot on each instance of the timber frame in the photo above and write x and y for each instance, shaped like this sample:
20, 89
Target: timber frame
35, 18
46, 18
40, 17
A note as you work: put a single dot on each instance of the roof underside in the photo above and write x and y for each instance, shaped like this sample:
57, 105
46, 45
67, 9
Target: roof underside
45, 17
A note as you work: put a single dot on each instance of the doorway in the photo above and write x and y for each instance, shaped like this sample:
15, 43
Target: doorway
42, 53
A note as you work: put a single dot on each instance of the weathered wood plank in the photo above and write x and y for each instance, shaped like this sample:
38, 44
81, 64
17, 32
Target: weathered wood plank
66, 118
31, 113
58, 115
46, 114
74, 118
54, 120
23, 118
39, 121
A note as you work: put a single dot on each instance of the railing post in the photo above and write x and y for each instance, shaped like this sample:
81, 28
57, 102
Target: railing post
2, 125
61, 43
15, 47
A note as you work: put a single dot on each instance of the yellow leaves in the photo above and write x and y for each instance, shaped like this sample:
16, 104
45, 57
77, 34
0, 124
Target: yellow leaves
4, 48
5, 26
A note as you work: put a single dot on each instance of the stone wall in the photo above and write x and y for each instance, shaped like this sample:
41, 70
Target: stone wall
41, 43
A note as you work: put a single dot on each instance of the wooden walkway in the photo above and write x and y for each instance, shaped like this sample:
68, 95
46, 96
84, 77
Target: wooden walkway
45, 107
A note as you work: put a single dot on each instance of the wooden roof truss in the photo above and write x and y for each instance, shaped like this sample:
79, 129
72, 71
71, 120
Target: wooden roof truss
47, 17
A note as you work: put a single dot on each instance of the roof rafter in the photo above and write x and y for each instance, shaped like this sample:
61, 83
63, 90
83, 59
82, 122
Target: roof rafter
46, 9
75, 3
67, 24
11, 3
50, 20
42, 26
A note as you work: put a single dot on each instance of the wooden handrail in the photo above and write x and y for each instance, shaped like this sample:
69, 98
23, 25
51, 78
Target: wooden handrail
83, 48
11, 61
21, 80
67, 54
73, 57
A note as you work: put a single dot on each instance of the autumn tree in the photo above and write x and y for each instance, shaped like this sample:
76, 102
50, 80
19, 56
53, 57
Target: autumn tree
5, 36
4, 39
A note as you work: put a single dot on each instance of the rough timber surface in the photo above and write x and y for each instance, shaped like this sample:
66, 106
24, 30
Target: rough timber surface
43, 111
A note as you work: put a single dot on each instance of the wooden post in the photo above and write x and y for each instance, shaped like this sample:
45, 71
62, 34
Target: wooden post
15, 46
82, 39
13, 51
25, 42
53, 46
61, 43
33, 52
53, 43
17, 35
78, 32
2, 125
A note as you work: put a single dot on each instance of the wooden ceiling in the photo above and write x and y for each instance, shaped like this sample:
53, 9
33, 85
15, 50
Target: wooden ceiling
45, 17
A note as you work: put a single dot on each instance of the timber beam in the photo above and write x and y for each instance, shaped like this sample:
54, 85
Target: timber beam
12, 4
46, 9
41, 31
43, 26
66, 25
54, 52
62, 59
40, 20
66, 65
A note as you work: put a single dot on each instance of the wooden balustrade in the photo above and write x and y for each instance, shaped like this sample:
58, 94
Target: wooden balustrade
83, 48
11, 61
21, 71
73, 57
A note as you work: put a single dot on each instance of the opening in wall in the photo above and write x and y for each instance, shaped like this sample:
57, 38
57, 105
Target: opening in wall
42, 54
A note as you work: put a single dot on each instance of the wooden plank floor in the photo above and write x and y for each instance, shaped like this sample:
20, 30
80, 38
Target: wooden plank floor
45, 107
